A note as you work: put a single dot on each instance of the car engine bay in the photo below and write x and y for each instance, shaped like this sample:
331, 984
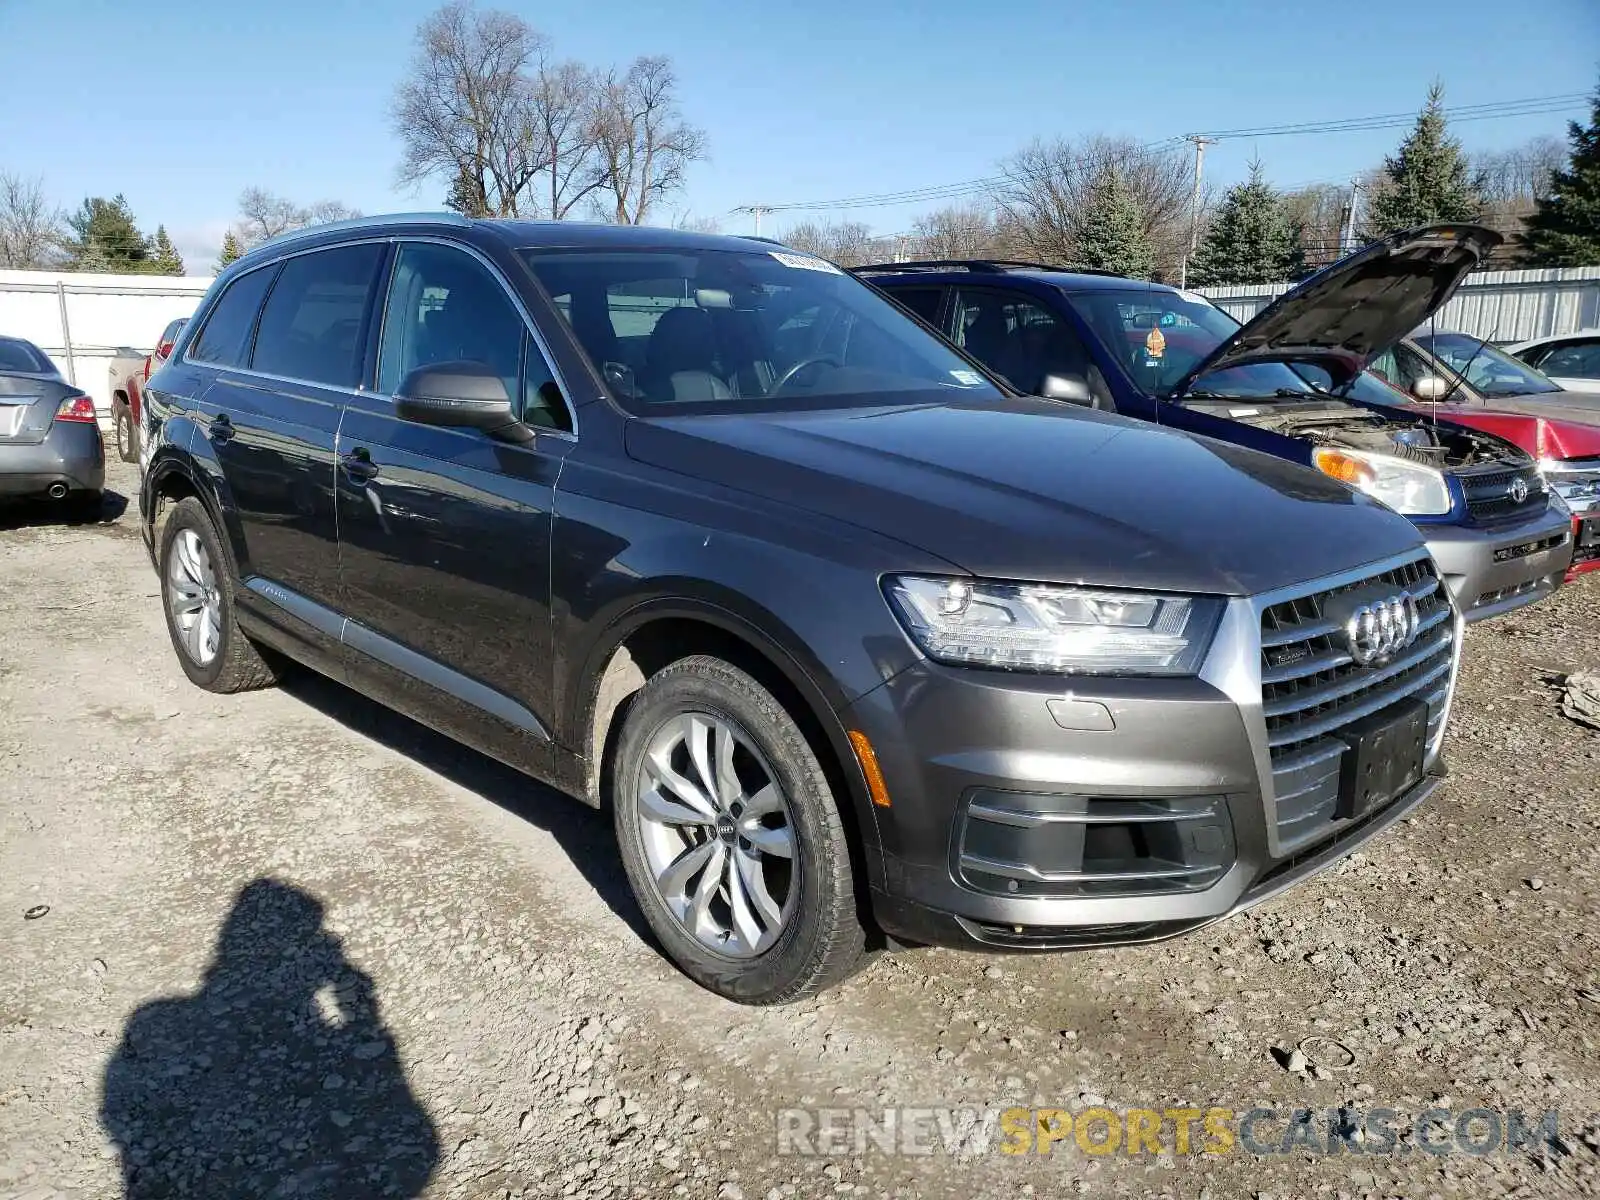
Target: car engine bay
1329, 421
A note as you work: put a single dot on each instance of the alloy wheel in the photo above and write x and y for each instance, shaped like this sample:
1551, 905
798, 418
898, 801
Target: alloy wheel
717, 834
193, 597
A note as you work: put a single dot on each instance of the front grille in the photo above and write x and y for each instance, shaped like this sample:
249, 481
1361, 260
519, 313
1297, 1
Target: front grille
1312, 688
1587, 541
1489, 493
1496, 595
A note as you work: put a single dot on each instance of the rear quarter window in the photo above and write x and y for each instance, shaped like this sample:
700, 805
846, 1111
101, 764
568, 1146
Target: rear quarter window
225, 339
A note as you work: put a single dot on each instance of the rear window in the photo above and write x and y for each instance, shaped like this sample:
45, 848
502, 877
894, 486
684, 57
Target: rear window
312, 325
225, 340
17, 355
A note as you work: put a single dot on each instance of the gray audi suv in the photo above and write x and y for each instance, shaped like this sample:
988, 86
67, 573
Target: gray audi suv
856, 645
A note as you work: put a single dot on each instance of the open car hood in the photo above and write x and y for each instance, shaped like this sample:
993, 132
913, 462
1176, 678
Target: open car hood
1347, 314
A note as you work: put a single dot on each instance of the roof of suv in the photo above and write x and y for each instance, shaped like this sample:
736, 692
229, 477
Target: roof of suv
516, 233
1067, 277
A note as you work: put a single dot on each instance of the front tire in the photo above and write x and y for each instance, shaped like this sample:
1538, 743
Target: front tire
731, 837
197, 596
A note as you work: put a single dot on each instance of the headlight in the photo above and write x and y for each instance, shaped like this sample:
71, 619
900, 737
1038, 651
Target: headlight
1406, 487
1040, 627
1578, 487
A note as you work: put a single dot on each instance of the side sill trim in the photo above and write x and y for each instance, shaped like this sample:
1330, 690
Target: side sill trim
400, 658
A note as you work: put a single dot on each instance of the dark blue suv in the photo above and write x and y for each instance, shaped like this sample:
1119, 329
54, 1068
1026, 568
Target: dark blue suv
1281, 383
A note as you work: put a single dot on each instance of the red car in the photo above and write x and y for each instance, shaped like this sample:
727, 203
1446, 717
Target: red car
127, 384
1568, 452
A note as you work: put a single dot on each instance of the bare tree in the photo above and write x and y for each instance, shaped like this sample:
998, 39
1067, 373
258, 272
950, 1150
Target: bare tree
1520, 174
264, 214
31, 228
965, 231
690, 223
848, 243
1319, 209
1045, 189
466, 111
567, 126
645, 146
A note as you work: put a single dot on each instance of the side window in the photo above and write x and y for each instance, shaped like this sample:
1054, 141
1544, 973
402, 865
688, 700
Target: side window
922, 301
444, 306
225, 340
1578, 360
1406, 367
314, 319
1018, 338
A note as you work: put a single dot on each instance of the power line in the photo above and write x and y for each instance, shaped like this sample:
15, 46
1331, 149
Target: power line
1495, 110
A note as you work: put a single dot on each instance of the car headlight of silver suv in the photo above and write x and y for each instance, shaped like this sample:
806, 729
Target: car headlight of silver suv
1045, 627
1576, 481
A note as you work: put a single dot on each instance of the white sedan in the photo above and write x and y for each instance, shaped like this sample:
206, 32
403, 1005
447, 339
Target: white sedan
1571, 360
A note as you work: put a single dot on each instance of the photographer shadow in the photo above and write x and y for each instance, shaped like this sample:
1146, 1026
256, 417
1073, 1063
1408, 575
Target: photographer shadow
277, 1078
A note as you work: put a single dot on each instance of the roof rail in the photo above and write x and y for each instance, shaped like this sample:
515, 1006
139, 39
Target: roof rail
415, 218
976, 265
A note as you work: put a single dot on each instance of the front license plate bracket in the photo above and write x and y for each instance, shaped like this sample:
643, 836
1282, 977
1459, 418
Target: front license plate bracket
1385, 757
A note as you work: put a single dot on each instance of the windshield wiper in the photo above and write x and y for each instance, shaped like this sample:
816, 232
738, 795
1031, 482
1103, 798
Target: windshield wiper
1277, 394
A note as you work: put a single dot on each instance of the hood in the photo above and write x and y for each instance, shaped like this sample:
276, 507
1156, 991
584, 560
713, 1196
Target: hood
1032, 490
1540, 436
1346, 315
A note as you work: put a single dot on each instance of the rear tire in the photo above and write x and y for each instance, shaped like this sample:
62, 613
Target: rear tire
769, 917
127, 435
197, 593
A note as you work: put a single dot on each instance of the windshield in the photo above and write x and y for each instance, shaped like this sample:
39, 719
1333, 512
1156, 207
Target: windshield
748, 330
1159, 336
1489, 372
17, 355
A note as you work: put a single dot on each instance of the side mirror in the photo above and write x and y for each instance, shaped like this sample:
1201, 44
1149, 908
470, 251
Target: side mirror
1430, 387
1066, 387
459, 395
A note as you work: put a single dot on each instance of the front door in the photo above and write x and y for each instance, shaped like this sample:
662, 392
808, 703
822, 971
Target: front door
445, 533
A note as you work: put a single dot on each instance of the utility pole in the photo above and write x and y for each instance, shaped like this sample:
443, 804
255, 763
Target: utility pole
1348, 242
1200, 144
755, 210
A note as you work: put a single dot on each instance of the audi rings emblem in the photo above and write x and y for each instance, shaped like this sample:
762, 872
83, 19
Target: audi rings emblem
1380, 629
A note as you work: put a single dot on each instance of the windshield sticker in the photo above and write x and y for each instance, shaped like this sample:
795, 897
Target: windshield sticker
804, 262
1244, 412
1155, 343
967, 378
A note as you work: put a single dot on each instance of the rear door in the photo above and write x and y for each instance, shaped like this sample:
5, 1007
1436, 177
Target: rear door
445, 533
271, 426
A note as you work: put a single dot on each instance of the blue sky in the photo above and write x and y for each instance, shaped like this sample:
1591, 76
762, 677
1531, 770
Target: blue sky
182, 103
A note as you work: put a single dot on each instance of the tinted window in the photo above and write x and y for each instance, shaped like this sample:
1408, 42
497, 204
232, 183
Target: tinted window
312, 325
922, 301
16, 355
225, 340
1022, 340
760, 331
445, 307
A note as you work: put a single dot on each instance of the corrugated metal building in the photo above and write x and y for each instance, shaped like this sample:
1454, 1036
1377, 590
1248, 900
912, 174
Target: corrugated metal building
1502, 306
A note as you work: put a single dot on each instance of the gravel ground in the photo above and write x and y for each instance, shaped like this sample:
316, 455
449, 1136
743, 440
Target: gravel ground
298, 945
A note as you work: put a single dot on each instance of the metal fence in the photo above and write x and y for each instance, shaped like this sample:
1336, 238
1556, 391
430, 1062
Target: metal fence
1502, 306
82, 321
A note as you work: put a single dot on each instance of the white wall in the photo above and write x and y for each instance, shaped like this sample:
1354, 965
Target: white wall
1502, 306
103, 312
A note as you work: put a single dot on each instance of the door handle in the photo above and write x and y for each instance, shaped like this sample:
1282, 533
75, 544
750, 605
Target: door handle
358, 466
221, 429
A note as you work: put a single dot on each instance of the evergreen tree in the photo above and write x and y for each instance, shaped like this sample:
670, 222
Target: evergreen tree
164, 256
1565, 229
1111, 234
1251, 240
231, 251
1427, 179
467, 194
106, 238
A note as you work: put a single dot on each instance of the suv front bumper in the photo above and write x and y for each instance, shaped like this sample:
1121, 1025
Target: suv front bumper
1043, 812
1493, 570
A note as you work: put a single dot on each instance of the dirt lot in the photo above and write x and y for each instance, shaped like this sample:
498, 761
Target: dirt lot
296, 945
